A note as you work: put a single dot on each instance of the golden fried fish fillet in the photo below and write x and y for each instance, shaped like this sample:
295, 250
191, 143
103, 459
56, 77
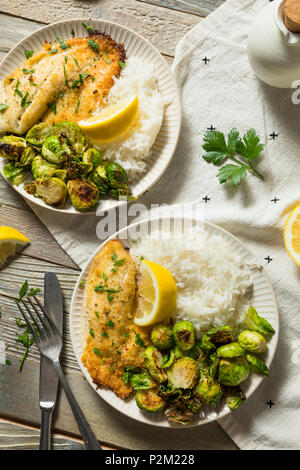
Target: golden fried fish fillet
114, 341
63, 81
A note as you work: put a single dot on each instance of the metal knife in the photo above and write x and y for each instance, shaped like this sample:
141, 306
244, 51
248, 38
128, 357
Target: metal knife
48, 378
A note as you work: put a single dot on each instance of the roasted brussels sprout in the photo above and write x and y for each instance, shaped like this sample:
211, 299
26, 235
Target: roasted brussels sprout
37, 135
26, 158
257, 364
233, 371
53, 151
99, 177
184, 373
257, 323
149, 400
252, 341
168, 359
196, 350
83, 193
52, 190
169, 392
184, 335
153, 362
191, 400
71, 134
230, 350
92, 156
118, 193
234, 397
208, 389
216, 337
15, 175
139, 378
12, 147
117, 176
61, 174
161, 336
178, 413
40, 168
74, 169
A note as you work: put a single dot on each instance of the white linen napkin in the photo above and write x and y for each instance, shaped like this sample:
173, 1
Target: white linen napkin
223, 92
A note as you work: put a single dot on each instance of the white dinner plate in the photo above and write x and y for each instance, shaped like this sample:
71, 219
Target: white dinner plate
262, 297
135, 45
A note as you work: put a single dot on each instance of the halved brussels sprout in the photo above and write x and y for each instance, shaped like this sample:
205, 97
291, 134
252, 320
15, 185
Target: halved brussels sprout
83, 193
184, 335
99, 177
178, 413
153, 362
139, 378
26, 158
74, 169
257, 364
117, 176
61, 174
257, 323
15, 175
252, 341
71, 134
234, 397
169, 392
37, 134
208, 389
161, 336
53, 191
233, 371
53, 151
149, 400
12, 147
168, 359
92, 156
191, 400
40, 168
230, 350
184, 373
215, 337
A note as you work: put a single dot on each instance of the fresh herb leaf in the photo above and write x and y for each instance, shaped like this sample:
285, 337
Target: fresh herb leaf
94, 45
3, 107
62, 44
11, 80
119, 352
53, 51
89, 28
79, 80
52, 106
110, 323
27, 72
97, 314
81, 284
113, 270
249, 147
92, 333
122, 65
24, 101
99, 288
97, 352
104, 334
114, 256
66, 78
33, 291
66, 59
119, 262
72, 32
28, 53
77, 106
138, 340
104, 277
75, 60
232, 173
107, 60
23, 290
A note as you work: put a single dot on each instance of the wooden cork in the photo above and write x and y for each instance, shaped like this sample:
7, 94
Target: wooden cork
291, 15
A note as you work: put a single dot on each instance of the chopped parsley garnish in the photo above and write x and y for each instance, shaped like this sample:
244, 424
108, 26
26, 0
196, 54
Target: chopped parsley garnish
119, 262
104, 276
11, 80
99, 288
89, 28
138, 340
96, 351
97, 314
110, 298
92, 333
33, 291
113, 270
119, 352
126, 335
28, 53
114, 256
122, 65
24, 101
62, 44
17, 91
110, 323
72, 32
52, 106
79, 80
66, 78
107, 60
77, 106
53, 51
75, 60
81, 284
66, 59
94, 45
104, 334
27, 72
3, 106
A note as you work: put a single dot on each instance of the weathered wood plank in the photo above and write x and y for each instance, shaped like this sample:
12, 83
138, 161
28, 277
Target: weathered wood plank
195, 7
19, 398
16, 436
43, 245
148, 20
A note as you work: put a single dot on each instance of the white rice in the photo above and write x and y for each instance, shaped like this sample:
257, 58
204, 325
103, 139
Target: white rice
132, 149
213, 283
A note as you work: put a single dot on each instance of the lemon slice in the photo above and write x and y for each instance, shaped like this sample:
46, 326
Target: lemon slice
292, 235
157, 294
11, 242
111, 122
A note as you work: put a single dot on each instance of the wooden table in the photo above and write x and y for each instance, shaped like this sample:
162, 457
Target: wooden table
163, 22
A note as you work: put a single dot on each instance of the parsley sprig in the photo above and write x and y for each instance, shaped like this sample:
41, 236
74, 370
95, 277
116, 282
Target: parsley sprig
218, 151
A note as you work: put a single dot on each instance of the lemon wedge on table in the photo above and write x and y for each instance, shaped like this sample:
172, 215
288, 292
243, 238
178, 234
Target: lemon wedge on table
292, 235
112, 121
156, 296
11, 242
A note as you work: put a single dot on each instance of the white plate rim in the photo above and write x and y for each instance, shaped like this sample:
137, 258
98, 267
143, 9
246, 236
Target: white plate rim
101, 392
115, 204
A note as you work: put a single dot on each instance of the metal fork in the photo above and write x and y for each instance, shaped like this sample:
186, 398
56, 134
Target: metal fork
49, 341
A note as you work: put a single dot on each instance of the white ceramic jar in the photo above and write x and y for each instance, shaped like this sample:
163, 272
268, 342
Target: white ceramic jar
273, 50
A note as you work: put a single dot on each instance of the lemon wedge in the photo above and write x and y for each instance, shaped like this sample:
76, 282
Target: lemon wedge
111, 122
292, 235
11, 242
156, 296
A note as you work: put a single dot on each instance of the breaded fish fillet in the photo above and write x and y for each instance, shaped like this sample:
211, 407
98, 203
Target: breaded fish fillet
63, 81
114, 341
